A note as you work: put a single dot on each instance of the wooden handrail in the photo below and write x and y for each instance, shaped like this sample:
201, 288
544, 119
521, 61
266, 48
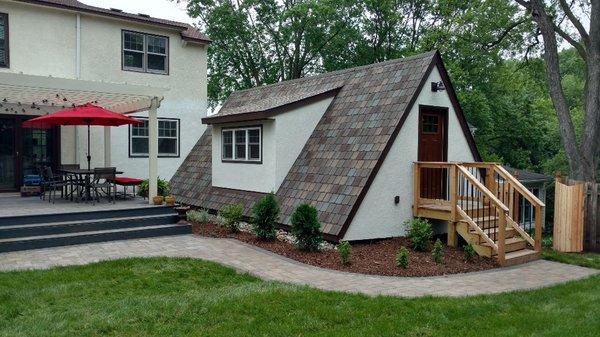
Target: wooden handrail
434, 164
518, 186
483, 189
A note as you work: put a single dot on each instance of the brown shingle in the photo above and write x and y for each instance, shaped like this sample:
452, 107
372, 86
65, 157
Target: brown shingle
339, 158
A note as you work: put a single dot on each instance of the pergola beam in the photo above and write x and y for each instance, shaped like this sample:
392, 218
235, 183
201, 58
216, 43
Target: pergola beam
46, 93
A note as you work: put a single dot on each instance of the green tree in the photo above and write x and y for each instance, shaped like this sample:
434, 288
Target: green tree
260, 42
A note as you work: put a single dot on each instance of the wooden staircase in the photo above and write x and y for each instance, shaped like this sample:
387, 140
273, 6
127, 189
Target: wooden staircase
482, 203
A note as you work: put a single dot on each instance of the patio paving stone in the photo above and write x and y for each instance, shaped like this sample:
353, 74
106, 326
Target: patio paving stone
269, 266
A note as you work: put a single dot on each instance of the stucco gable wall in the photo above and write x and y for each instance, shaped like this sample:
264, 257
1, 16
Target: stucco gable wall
378, 216
283, 138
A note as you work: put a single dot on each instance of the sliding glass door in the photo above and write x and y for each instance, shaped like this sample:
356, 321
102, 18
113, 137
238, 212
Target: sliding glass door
8, 153
23, 150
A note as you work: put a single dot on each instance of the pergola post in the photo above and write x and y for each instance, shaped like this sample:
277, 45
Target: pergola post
153, 149
107, 147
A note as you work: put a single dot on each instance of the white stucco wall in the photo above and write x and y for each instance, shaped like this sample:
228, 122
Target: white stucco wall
378, 216
283, 138
43, 42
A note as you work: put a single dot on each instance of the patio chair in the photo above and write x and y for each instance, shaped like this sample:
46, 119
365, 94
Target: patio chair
102, 183
76, 181
51, 183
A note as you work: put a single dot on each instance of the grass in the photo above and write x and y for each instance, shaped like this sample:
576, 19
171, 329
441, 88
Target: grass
590, 260
186, 297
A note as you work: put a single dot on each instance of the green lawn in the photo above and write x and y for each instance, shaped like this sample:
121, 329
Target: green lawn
186, 297
590, 260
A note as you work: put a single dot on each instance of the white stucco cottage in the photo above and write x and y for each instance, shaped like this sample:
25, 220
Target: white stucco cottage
343, 141
56, 53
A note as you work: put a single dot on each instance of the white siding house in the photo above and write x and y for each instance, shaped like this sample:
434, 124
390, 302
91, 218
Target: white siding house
69, 40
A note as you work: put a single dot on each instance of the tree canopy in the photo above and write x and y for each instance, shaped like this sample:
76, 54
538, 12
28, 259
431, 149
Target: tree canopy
492, 49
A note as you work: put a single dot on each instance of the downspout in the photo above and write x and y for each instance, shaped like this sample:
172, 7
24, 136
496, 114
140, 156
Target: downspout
77, 76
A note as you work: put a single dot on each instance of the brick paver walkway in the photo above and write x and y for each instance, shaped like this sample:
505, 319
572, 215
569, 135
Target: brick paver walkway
270, 266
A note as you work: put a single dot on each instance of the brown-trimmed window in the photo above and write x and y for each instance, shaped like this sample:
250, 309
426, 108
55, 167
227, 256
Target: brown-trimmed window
145, 52
4, 40
242, 144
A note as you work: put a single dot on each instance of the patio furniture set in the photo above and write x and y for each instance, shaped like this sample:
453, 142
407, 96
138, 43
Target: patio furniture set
72, 181
77, 184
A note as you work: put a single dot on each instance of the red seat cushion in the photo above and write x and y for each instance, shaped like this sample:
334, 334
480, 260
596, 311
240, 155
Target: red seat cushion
127, 181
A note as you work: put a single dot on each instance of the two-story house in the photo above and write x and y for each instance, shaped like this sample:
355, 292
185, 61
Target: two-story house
57, 53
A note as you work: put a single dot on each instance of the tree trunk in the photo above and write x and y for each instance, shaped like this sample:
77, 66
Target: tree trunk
583, 158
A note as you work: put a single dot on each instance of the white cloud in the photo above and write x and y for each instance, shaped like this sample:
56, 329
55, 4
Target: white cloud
163, 9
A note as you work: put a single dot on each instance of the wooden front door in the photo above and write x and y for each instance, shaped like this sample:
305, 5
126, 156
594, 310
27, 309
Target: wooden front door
433, 145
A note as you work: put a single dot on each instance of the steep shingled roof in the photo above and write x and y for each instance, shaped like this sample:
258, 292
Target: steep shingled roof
341, 157
188, 32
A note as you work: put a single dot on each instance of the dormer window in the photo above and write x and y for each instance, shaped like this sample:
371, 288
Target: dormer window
145, 52
242, 144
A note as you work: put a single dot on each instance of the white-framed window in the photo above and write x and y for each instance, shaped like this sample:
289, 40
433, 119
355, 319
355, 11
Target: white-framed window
242, 144
145, 52
168, 138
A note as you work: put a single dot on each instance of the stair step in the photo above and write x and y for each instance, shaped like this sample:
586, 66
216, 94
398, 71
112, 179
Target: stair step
520, 256
36, 229
45, 241
511, 244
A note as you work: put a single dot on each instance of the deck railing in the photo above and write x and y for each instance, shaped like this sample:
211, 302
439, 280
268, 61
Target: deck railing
484, 195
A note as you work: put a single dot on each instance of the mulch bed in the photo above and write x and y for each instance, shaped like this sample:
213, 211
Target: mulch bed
376, 258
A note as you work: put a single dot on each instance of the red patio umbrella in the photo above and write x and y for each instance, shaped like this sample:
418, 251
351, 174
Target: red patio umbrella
87, 114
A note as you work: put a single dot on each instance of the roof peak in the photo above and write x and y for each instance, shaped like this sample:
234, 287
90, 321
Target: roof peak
430, 53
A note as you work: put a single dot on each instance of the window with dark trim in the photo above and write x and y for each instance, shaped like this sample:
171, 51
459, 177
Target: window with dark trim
4, 50
242, 144
168, 138
145, 52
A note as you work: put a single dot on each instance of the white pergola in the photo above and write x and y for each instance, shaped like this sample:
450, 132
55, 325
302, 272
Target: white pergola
37, 94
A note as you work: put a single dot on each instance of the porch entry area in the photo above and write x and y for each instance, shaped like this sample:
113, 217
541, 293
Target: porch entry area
24, 97
23, 150
483, 203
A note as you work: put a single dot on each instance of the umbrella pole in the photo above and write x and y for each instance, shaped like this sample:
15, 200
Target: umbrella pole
89, 157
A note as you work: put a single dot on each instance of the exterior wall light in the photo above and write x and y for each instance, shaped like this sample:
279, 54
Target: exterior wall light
437, 86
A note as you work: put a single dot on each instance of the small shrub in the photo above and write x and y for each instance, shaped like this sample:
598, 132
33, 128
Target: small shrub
232, 214
265, 215
306, 228
547, 241
438, 251
163, 188
419, 233
200, 216
469, 252
220, 221
344, 249
402, 258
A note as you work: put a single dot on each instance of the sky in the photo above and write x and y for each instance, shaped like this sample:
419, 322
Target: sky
163, 9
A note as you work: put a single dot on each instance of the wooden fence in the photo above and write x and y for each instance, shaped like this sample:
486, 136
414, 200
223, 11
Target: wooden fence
576, 216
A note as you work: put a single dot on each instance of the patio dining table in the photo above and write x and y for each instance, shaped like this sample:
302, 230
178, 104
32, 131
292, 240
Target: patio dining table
87, 174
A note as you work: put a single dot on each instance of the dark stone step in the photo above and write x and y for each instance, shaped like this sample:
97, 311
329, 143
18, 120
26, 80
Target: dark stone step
91, 237
87, 215
77, 226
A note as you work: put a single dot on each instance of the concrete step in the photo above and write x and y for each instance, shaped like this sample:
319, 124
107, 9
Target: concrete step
77, 226
66, 239
86, 215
